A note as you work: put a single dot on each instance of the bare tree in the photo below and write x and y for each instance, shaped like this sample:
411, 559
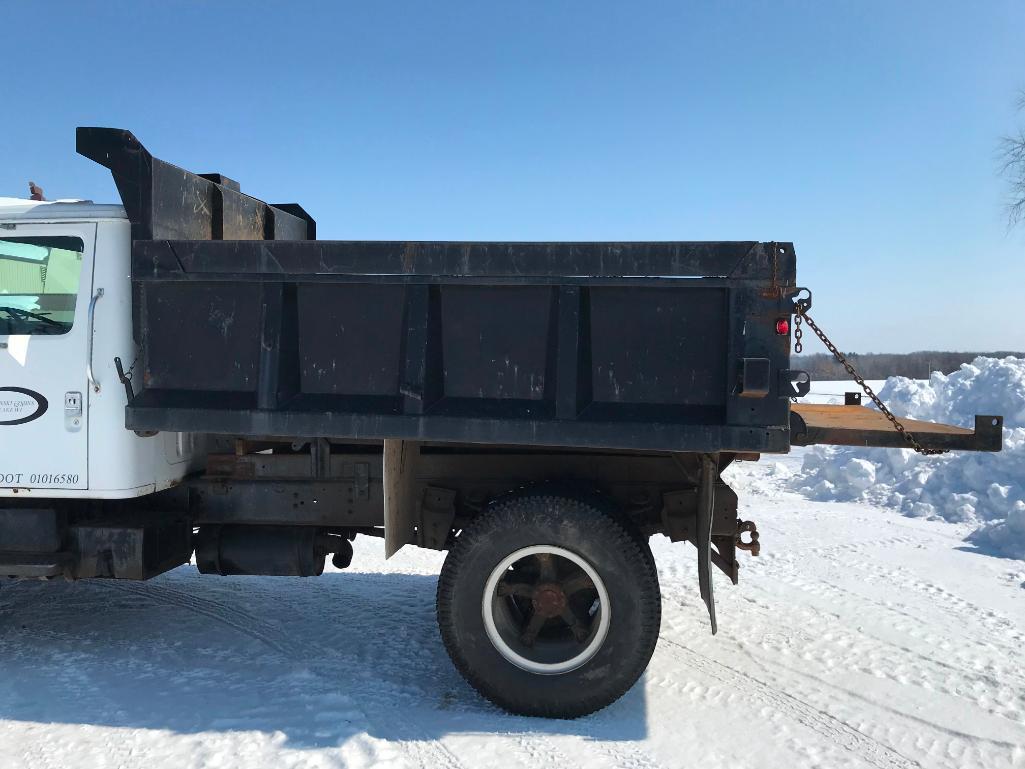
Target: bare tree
1012, 160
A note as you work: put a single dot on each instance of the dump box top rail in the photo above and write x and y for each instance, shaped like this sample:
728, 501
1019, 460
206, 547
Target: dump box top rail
247, 325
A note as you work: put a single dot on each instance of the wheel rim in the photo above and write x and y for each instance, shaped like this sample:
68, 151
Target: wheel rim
546, 610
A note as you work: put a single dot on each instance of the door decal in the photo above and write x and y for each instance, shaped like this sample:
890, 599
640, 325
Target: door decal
18, 405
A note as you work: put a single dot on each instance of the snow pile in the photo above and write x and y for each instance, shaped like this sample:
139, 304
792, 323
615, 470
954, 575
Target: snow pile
758, 479
983, 489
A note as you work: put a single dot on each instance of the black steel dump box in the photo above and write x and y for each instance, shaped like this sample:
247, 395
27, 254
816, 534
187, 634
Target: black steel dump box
249, 326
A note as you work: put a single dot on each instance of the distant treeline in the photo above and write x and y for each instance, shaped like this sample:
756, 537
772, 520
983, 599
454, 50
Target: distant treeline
871, 365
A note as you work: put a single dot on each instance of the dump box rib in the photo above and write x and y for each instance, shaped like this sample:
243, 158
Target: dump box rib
860, 426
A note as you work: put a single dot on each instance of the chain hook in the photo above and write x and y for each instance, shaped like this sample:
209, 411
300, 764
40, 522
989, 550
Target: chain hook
801, 306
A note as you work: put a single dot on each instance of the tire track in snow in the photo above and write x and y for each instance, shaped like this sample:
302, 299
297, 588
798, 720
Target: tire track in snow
120, 744
542, 750
235, 619
966, 736
833, 729
42, 754
428, 752
622, 755
627, 756
862, 546
432, 754
1000, 628
1008, 648
954, 680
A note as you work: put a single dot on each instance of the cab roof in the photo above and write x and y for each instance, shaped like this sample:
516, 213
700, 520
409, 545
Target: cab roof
58, 210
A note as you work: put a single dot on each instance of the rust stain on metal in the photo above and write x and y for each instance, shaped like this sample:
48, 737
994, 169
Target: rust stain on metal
747, 527
409, 257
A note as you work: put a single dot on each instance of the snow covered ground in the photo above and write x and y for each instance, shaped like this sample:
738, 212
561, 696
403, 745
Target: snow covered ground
859, 638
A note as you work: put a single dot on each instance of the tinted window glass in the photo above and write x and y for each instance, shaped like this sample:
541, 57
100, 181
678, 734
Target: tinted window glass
39, 280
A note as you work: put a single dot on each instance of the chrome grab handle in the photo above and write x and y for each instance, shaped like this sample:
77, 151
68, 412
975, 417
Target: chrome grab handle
92, 317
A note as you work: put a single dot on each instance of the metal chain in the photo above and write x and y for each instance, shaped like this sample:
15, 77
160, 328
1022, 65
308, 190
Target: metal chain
127, 377
128, 374
802, 315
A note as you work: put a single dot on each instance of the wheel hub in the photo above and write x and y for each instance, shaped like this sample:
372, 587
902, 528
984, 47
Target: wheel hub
549, 600
546, 609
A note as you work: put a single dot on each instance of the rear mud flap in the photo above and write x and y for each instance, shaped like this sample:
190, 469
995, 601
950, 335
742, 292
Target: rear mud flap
703, 535
704, 513
400, 462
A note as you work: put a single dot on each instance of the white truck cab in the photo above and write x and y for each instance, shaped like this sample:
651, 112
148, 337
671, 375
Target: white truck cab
65, 314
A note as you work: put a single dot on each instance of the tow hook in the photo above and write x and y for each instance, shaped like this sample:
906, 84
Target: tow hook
752, 546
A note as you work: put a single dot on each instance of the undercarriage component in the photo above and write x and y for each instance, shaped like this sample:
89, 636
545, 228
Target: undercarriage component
38, 542
435, 513
126, 551
33, 565
679, 517
29, 530
281, 551
342, 558
705, 514
281, 502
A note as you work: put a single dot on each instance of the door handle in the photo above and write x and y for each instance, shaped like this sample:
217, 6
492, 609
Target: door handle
92, 317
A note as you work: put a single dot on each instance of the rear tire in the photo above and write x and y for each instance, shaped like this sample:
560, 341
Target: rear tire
549, 605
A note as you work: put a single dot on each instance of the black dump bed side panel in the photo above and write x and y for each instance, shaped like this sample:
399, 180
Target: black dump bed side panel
556, 344
484, 356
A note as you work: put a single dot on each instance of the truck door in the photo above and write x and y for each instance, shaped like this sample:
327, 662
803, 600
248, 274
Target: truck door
45, 292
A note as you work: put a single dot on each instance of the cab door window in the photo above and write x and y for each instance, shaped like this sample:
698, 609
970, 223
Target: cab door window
39, 279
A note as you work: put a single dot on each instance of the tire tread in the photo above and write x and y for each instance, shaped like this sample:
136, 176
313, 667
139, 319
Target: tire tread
531, 508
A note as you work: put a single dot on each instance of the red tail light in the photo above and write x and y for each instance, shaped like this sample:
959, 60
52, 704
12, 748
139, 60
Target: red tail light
782, 326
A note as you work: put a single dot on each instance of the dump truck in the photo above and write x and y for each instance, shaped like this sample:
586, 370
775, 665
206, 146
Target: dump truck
193, 375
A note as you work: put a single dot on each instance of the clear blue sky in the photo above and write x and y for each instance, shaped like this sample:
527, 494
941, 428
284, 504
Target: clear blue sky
865, 132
